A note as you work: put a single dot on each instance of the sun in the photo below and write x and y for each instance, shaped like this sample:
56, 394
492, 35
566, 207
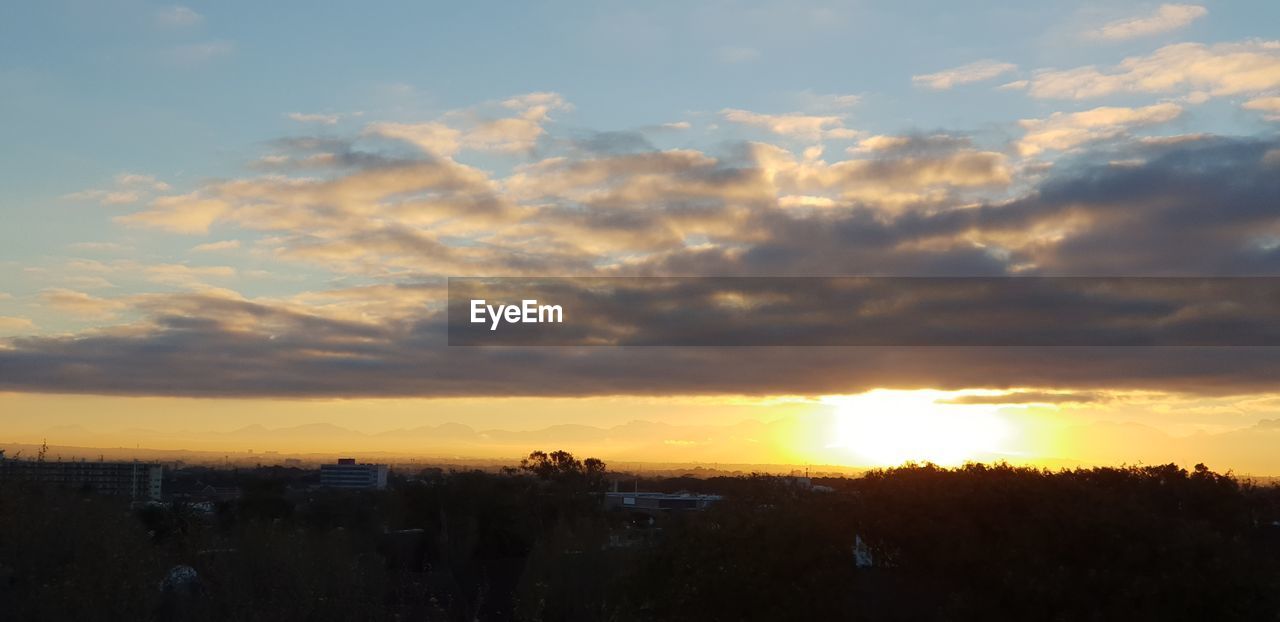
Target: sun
887, 428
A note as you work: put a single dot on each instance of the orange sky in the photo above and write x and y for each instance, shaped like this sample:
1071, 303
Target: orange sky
190, 260
872, 429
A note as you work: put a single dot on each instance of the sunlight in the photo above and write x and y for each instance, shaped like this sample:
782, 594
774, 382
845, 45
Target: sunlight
887, 428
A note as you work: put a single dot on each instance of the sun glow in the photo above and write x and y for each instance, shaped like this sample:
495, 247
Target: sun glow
887, 428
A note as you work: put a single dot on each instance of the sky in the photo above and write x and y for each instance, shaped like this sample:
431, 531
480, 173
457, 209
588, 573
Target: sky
227, 224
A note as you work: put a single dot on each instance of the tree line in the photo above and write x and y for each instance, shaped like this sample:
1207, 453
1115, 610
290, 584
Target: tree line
537, 542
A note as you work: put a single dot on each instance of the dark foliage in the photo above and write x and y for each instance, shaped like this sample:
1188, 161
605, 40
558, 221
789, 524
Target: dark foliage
537, 543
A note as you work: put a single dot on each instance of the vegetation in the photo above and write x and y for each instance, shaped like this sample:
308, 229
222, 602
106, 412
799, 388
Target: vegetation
537, 542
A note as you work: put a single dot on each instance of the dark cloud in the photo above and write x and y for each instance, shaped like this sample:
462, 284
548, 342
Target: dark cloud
875, 311
1033, 397
1194, 209
612, 143
1204, 207
1208, 207
204, 346
321, 152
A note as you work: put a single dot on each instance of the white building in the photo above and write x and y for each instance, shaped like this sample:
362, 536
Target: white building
658, 501
349, 474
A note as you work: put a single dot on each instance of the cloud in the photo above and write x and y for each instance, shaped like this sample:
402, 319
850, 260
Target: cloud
91, 274
106, 247
472, 129
612, 142
519, 133
1167, 18
977, 71
83, 282
147, 182
865, 311
432, 137
222, 245
177, 17
795, 124
1218, 70
1032, 397
731, 54
397, 216
105, 197
128, 188
1083, 218
602, 204
899, 172
214, 346
367, 215
1269, 106
15, 325
827, 102
1209, 194
628, 203
82, 305
185, 213
911, 142
326, 153
182, 275
608, 199
510, 135
1062, 131
321, 119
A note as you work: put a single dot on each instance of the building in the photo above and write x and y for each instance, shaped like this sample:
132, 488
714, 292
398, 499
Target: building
658, 501
347, 473
136, 480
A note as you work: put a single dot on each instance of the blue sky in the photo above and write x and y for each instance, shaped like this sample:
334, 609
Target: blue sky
185, 94
235, 199
99, 87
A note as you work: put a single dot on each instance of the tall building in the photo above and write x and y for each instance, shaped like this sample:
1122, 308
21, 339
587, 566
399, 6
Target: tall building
136, 480
347, 473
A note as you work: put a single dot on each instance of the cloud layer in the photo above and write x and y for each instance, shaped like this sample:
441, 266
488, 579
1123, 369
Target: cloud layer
1166, 18
392, 208
977, 71
1221, 69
